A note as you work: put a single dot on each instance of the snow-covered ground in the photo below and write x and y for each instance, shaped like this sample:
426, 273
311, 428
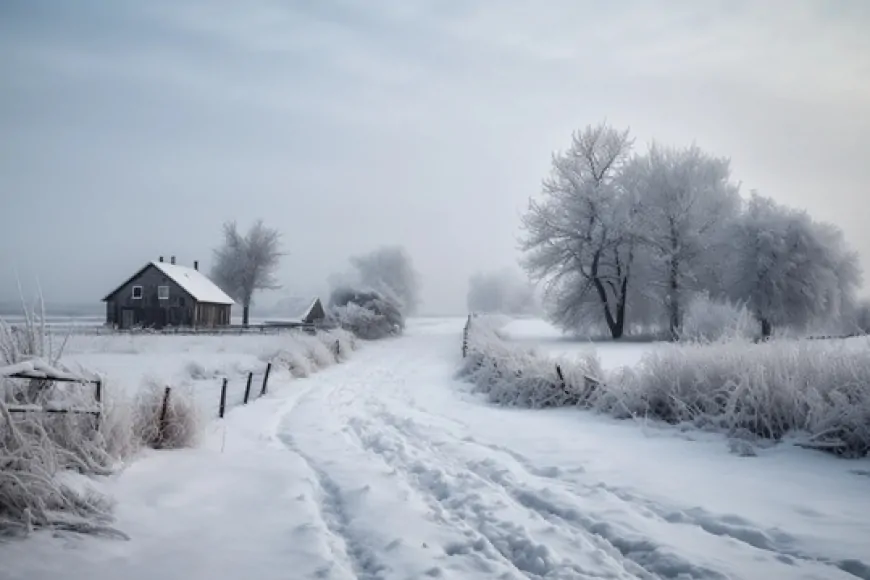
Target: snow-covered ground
387, 467
547, 339
198, 362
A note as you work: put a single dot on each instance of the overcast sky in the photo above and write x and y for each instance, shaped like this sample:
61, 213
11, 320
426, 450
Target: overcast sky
131, 129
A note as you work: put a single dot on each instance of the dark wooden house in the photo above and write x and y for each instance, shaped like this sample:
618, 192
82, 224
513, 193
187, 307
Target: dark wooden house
164, 294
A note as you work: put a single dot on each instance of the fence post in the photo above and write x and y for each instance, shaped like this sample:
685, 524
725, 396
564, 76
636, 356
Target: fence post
223, 406
266, 379
561, 377
163, 410
248, 387
98, 396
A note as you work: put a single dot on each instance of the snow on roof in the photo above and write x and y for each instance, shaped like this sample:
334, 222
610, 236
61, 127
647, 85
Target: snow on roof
194, 283
297, 308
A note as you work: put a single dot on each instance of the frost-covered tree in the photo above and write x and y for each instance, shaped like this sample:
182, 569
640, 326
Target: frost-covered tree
501, 291
579, 237
247, 263
791, 270
367, 313
686, 201
390, 271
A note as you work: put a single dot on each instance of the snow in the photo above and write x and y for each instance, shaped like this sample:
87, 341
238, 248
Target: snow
550, 340
194, 283
37, 368
387, 467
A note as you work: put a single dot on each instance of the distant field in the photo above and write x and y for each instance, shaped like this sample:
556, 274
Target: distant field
550, 340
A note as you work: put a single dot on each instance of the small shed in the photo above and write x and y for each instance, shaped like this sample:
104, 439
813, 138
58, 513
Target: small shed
164, 294
301, 310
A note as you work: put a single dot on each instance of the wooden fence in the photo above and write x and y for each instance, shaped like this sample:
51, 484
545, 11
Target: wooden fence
250, 393
56, 376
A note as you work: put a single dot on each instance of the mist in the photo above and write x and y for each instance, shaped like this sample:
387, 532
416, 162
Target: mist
134, 130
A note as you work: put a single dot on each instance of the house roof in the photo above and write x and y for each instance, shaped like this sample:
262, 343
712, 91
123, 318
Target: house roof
191, 281
297, 308
195, 283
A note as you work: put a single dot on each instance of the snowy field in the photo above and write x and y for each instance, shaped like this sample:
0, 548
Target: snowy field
547, 339
196, 362
387, 467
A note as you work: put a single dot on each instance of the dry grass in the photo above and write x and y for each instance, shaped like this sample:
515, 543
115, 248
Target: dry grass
817, 392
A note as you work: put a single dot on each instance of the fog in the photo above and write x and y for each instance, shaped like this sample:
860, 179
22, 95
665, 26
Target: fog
131, 130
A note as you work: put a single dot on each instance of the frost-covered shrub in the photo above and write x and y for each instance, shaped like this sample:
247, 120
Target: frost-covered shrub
817, 391
814, 387
179, 427
36, 490
303, 354
707, 320
368, 314
339, 341
511, 375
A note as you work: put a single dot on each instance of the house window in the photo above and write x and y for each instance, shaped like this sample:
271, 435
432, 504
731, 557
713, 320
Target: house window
137, 292
163, 292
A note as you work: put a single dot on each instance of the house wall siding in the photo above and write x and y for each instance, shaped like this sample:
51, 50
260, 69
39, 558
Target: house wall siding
179, 309
150, 310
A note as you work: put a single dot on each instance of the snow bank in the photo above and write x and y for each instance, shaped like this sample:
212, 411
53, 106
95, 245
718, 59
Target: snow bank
816, 392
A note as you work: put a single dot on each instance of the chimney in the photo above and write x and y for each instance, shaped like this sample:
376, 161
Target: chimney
172, 260
161, 258
195, 265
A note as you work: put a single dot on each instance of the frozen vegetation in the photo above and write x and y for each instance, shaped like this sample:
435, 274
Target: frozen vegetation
813, 392
386, 467
48, 461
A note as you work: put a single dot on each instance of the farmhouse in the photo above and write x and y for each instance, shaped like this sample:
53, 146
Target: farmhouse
166, 294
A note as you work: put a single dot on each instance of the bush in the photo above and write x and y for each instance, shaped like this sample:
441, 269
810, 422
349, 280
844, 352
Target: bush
179, 427
516, 376
35, 491
304, 354
368, 314
768, 390
814, 389
707, 320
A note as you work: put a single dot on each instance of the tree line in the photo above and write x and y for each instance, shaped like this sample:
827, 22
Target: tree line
372, 298
620, 237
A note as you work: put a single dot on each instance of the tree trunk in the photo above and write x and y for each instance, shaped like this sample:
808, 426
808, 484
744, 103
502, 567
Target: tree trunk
246, 310
766, 329
674, 302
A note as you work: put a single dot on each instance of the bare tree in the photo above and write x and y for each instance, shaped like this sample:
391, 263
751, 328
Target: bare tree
578, 237
245, 264
687, 201
389, 270
791, 270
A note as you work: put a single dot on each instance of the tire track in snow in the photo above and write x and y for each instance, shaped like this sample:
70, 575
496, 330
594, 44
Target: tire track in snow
624, 550
781, 545
459, 500
773, 540
363, 563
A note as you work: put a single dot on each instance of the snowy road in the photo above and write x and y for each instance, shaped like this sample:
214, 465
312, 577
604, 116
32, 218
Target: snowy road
385, 467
